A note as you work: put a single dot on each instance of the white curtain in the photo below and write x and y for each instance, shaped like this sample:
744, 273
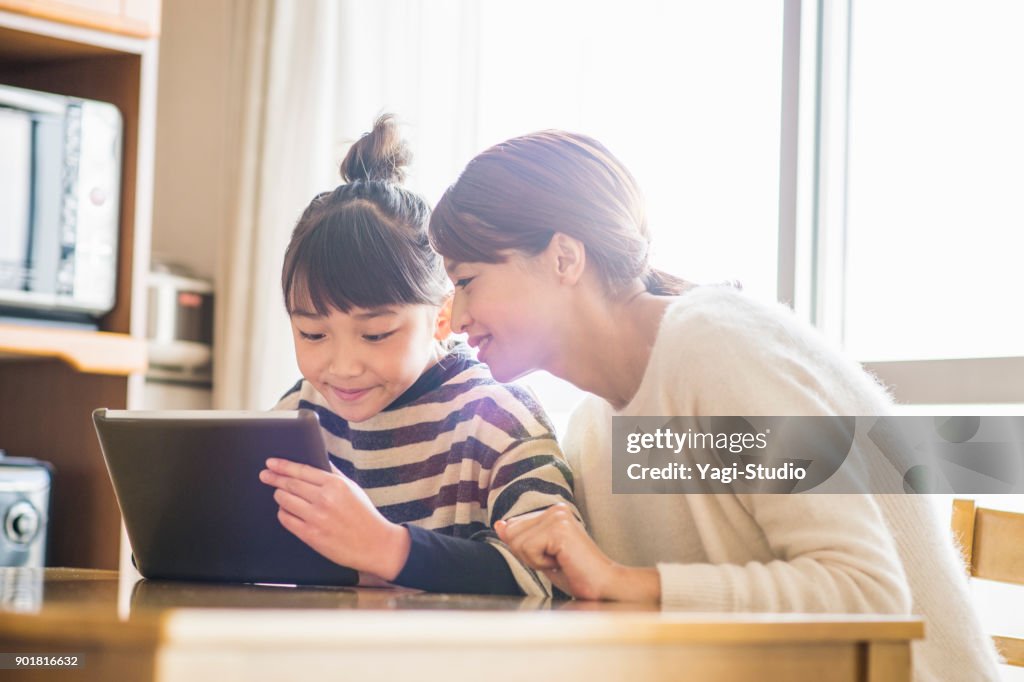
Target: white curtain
308, 77
283, 79
686, 93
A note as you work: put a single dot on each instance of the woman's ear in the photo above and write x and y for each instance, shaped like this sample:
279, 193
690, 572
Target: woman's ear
569, 257
444, 319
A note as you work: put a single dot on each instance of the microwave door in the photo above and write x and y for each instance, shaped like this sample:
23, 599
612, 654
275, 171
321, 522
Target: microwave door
48, 203
15, 198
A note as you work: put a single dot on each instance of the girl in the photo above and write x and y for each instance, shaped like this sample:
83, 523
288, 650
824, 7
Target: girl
546, 240
429, 450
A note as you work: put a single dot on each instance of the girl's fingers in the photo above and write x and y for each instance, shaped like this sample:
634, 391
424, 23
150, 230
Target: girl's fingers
295, 486
293, 504
293, 524
303, 472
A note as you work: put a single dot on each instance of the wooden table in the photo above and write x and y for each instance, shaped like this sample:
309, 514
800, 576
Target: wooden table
150, 630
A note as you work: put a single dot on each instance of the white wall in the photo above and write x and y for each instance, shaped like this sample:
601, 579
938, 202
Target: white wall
189, 204
190, 184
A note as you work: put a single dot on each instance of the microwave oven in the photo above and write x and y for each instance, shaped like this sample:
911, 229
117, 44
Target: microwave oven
60, 186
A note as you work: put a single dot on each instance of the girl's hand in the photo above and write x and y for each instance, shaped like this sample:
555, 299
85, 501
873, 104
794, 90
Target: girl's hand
554, 542
334, 516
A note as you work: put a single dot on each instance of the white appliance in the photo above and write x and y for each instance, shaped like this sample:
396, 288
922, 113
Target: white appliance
60, 195
180, 326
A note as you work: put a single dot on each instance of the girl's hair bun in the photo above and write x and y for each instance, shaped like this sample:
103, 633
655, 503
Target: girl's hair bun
380, 154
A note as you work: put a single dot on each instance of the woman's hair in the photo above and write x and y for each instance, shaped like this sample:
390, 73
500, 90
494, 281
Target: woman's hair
519, 193
365, 244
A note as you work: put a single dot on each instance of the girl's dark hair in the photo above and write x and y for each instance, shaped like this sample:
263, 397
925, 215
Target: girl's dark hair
364, 245
517, 194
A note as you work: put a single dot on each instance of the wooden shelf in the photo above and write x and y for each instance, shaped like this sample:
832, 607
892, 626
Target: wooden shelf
139, 18
92, 352
52, 379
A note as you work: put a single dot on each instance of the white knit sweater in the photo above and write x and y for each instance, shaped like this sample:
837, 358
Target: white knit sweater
718, 352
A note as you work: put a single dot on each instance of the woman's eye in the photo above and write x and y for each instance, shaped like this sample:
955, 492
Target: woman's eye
311, 337
462, 283
374, 338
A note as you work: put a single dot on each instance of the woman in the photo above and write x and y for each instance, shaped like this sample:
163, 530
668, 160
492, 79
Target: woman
546, 240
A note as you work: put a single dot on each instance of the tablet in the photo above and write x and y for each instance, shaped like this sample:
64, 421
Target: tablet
187, 483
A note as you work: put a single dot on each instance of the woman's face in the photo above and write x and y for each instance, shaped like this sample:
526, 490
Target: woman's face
509, 311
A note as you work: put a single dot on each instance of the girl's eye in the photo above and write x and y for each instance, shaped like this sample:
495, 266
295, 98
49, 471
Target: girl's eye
463, 282
311, 337
374, 338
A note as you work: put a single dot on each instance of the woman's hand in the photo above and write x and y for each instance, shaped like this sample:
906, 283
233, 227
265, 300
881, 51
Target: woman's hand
334, 516
554, 542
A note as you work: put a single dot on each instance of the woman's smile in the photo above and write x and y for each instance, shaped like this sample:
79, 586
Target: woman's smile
480, 342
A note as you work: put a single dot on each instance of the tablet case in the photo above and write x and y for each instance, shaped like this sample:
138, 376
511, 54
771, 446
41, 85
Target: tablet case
187, 483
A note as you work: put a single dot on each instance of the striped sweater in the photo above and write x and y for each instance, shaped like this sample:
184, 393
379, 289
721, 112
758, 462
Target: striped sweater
453, 454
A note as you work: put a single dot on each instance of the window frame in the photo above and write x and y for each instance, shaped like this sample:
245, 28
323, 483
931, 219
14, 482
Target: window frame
813, 212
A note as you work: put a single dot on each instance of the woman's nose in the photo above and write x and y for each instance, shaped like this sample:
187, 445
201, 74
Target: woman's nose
460, 316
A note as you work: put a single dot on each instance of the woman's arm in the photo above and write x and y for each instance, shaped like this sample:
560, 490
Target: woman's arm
555, 543
830, 552
827, 552
820, 568
834, 554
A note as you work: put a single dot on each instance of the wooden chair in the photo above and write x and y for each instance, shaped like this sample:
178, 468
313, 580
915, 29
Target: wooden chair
992, 543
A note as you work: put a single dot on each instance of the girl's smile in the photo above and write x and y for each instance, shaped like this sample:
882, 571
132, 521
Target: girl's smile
350, 395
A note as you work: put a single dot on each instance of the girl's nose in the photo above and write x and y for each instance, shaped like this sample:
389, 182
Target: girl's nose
346, 363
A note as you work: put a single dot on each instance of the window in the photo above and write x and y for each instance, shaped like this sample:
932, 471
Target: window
683, 93
687, 94
859, 160
912, 158
935, 214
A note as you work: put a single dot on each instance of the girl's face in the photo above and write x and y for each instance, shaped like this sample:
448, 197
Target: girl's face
509, 310
360, 361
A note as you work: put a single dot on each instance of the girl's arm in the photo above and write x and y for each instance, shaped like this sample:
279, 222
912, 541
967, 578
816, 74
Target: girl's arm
529, 475
334, 516
442, 563
528, 478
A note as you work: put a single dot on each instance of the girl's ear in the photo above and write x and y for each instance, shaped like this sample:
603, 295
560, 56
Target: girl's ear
569, 256
444, 319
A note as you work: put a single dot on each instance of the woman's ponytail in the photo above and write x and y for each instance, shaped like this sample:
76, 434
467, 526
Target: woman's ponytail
661, 283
